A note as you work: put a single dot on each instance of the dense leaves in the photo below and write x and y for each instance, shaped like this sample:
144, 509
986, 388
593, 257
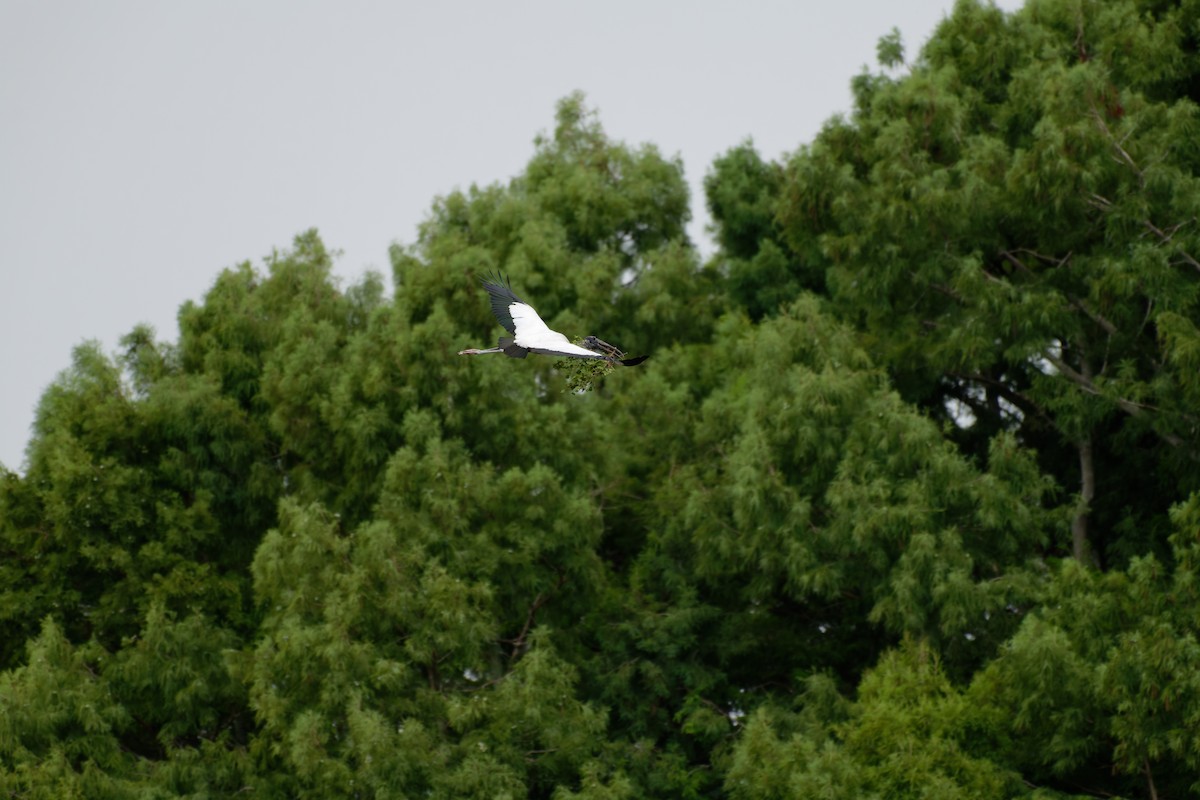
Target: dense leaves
905, 503
1012, 226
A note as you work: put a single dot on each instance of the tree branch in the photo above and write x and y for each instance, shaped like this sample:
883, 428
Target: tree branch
1085, 383
1012, 257
1081, 546
435, 678
1094, 316
1128, 406
1007, 392
1103, 204
1121, 151
942, 288
1077, 302
1165, 238
518, 644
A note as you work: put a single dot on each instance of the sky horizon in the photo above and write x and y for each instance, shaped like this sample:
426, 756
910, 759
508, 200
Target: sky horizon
146, 147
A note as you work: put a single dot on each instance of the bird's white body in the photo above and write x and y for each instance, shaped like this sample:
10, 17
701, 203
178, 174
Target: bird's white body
530, 332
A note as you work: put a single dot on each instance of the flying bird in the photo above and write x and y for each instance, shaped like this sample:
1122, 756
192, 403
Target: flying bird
530, 334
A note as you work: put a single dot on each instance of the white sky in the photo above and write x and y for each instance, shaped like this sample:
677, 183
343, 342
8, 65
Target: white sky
145, 146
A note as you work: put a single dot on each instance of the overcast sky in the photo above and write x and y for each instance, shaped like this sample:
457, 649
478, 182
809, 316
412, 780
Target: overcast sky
145, 146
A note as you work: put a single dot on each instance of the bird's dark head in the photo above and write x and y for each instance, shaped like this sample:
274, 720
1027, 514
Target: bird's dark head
598, 345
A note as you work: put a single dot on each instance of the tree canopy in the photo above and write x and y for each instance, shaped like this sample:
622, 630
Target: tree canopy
906, 502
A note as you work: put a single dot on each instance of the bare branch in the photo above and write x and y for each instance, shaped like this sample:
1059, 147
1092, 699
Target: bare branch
1149, 779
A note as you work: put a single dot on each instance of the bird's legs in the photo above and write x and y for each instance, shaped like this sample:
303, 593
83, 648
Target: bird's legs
507, 346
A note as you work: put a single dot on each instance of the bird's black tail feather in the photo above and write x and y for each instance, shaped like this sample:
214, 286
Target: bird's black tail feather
511, 348
633, 362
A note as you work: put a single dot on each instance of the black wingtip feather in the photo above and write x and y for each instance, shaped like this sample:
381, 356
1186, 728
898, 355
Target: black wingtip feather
633, 362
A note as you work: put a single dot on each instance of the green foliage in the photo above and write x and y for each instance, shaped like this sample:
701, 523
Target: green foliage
1010, 225
905, 503
58, 730
399, 659
742, 192
815, 485
580, 374
889, 52
910, 733
1107, 668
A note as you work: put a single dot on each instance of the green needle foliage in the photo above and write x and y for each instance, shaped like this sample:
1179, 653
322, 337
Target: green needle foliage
905, 504
579, 375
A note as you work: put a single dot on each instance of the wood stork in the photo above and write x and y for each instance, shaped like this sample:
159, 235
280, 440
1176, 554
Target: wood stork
530, 334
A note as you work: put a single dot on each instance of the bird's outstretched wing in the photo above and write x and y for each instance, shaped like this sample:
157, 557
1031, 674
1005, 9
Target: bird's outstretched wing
522, 321
502, 297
